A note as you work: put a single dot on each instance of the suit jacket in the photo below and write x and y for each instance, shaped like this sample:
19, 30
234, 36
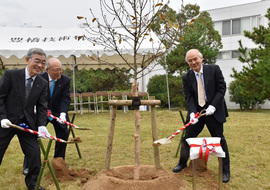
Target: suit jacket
13, 105
60, 100
215, 88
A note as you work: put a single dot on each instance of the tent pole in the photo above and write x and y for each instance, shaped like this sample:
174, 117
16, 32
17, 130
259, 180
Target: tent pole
73, 65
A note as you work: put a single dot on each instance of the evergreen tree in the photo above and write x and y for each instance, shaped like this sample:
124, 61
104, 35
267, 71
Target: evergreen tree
251, 85
197, 32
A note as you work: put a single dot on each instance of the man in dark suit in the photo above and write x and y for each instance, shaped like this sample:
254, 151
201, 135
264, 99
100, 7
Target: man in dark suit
22, 93
58, 102
213, 92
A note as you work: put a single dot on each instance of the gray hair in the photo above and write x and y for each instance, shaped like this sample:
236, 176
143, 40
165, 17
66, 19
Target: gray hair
199, 53
33, 51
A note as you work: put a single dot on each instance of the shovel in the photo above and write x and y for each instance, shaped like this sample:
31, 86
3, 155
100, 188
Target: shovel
37, 133
66, 122
168, 140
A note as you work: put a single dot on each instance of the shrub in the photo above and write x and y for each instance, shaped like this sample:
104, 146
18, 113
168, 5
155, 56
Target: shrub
157, 87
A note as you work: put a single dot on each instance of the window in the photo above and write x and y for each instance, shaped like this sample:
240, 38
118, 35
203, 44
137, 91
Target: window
235, 54
253, 22
228, 54
226, 27
245, 24
224, 55
218, 27
236, 25
219, 56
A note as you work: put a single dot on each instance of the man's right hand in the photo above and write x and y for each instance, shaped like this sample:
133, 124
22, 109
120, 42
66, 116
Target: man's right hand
193, 120
43, 132
4, 123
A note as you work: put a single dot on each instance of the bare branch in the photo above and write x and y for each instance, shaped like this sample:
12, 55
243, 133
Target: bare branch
125, 29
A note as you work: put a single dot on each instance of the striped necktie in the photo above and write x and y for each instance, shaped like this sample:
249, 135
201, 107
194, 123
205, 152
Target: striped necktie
28, 87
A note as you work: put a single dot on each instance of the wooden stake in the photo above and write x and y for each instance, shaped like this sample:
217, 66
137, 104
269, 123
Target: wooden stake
194, 174
155, 136
220, 172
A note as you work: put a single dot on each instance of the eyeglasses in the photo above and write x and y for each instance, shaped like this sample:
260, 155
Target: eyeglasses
38, 61
56, 70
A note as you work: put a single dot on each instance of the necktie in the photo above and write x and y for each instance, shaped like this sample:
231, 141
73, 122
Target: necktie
52, 87
201, 97
28, 87
51, 92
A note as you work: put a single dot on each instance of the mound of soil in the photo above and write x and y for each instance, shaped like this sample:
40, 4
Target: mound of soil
64, 174
122, 178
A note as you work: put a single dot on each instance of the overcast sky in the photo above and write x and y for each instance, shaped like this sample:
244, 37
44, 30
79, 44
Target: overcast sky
63, 13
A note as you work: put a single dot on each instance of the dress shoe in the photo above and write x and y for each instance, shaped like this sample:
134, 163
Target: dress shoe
25, 171
179, 168
226, 177
33, 188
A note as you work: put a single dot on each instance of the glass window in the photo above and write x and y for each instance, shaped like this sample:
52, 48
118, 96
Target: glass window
245, 24
236, 26
235, 54
226, 55
254, 22
226, 27
218, 27
219, 56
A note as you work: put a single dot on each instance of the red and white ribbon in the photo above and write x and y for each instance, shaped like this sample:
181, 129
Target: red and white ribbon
185, 126
206, 149
38, 133
202, 147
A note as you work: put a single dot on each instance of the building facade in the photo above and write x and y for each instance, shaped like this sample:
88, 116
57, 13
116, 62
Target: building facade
231, 22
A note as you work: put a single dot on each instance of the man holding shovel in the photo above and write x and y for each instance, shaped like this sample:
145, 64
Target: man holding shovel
204, 88
58, 103
21, 92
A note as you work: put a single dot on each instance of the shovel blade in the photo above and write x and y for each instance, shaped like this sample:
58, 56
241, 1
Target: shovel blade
162, 141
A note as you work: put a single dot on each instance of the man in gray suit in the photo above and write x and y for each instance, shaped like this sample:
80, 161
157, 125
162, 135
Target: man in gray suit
214, 88
21, 90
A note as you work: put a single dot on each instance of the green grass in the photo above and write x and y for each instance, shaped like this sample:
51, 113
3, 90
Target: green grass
247, 135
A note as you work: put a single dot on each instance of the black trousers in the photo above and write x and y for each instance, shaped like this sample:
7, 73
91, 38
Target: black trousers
216, 130
30, 147
61, 132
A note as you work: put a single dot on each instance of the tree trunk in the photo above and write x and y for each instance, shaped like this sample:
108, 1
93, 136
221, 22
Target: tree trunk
136, 135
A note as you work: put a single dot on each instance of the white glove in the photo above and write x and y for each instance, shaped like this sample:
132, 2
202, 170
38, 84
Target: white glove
210, 110
42, 130
4, 123
62, 118
193, 120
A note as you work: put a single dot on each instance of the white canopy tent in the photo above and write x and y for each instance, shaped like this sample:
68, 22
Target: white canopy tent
63, 44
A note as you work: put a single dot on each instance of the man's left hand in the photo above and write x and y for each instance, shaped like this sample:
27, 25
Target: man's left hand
210, 110
62, 118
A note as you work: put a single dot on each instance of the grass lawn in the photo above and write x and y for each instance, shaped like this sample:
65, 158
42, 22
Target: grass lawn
246, 132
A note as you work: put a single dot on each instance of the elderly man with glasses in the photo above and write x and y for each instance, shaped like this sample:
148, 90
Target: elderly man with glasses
22, 91
58, 103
